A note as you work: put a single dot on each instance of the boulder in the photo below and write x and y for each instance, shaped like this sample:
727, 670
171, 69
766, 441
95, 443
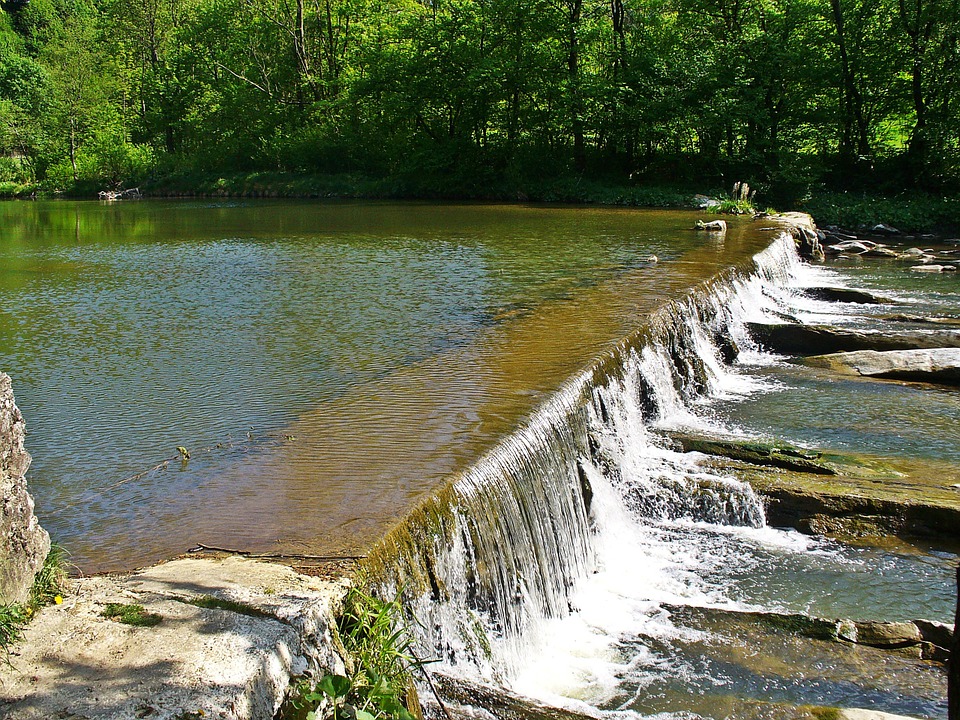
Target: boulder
883, 634
881, 229
808, 243
25, 544
797, 339
938, 365
848, 247
936, 633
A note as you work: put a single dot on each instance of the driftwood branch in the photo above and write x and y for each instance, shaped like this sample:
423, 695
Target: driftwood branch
200, 547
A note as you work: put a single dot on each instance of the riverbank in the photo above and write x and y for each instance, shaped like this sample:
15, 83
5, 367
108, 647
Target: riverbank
912, 212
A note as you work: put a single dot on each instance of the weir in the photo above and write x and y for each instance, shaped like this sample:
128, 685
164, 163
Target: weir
488, 562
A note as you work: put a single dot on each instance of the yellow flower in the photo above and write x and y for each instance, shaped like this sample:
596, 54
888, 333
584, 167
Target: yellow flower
58, 599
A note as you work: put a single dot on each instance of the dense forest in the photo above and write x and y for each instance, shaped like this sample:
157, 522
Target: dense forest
458, 95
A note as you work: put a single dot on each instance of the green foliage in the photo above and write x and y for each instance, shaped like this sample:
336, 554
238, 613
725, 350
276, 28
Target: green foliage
574, 100
130, 614
379, 648
732, 207
50, 583
13, 618
909, 212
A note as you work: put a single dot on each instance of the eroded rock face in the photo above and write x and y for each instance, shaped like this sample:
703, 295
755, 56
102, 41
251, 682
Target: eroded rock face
25, 544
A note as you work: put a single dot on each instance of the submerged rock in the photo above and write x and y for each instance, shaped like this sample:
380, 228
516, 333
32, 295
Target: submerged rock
939, 365
921, 319
933, 268
796, 339
461, 699
842, 294
880, 251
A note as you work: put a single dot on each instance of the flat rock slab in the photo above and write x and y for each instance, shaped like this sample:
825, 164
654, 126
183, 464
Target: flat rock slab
939, 365
796, 339
232, 633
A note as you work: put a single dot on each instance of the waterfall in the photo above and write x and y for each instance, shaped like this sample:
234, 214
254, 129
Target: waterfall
485, 564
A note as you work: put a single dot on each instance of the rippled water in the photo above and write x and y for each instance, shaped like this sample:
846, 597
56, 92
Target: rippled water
324, 364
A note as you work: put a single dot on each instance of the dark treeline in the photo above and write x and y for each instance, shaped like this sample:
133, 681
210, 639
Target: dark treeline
458, 95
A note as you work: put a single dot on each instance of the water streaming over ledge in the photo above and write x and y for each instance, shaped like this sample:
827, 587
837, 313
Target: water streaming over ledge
488, 562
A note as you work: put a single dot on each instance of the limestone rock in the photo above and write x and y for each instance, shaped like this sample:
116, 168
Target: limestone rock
847, 247
798, 339
25, 544
232, 635
932, 268
879, 634
888, 634
862, 714
938, 365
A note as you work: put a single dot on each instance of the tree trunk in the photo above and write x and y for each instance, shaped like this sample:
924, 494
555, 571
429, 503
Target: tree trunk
573, 72
854, 122
918, 32
73, 148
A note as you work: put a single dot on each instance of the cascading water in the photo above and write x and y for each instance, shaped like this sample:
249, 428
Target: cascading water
534, 569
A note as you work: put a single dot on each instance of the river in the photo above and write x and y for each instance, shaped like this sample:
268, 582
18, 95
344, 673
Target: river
324, 364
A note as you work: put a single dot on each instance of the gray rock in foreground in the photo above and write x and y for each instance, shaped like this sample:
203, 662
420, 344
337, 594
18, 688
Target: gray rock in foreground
232, 661
24, 544
939, 365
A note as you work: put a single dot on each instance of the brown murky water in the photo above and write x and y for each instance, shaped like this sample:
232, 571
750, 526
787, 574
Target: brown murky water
325, 364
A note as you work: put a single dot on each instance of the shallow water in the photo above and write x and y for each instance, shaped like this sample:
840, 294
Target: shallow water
325, 364
821, 409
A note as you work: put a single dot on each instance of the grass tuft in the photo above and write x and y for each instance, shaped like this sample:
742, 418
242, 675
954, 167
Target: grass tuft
131, 614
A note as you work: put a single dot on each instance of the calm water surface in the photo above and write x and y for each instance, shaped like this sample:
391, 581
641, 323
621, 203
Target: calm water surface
324, 364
